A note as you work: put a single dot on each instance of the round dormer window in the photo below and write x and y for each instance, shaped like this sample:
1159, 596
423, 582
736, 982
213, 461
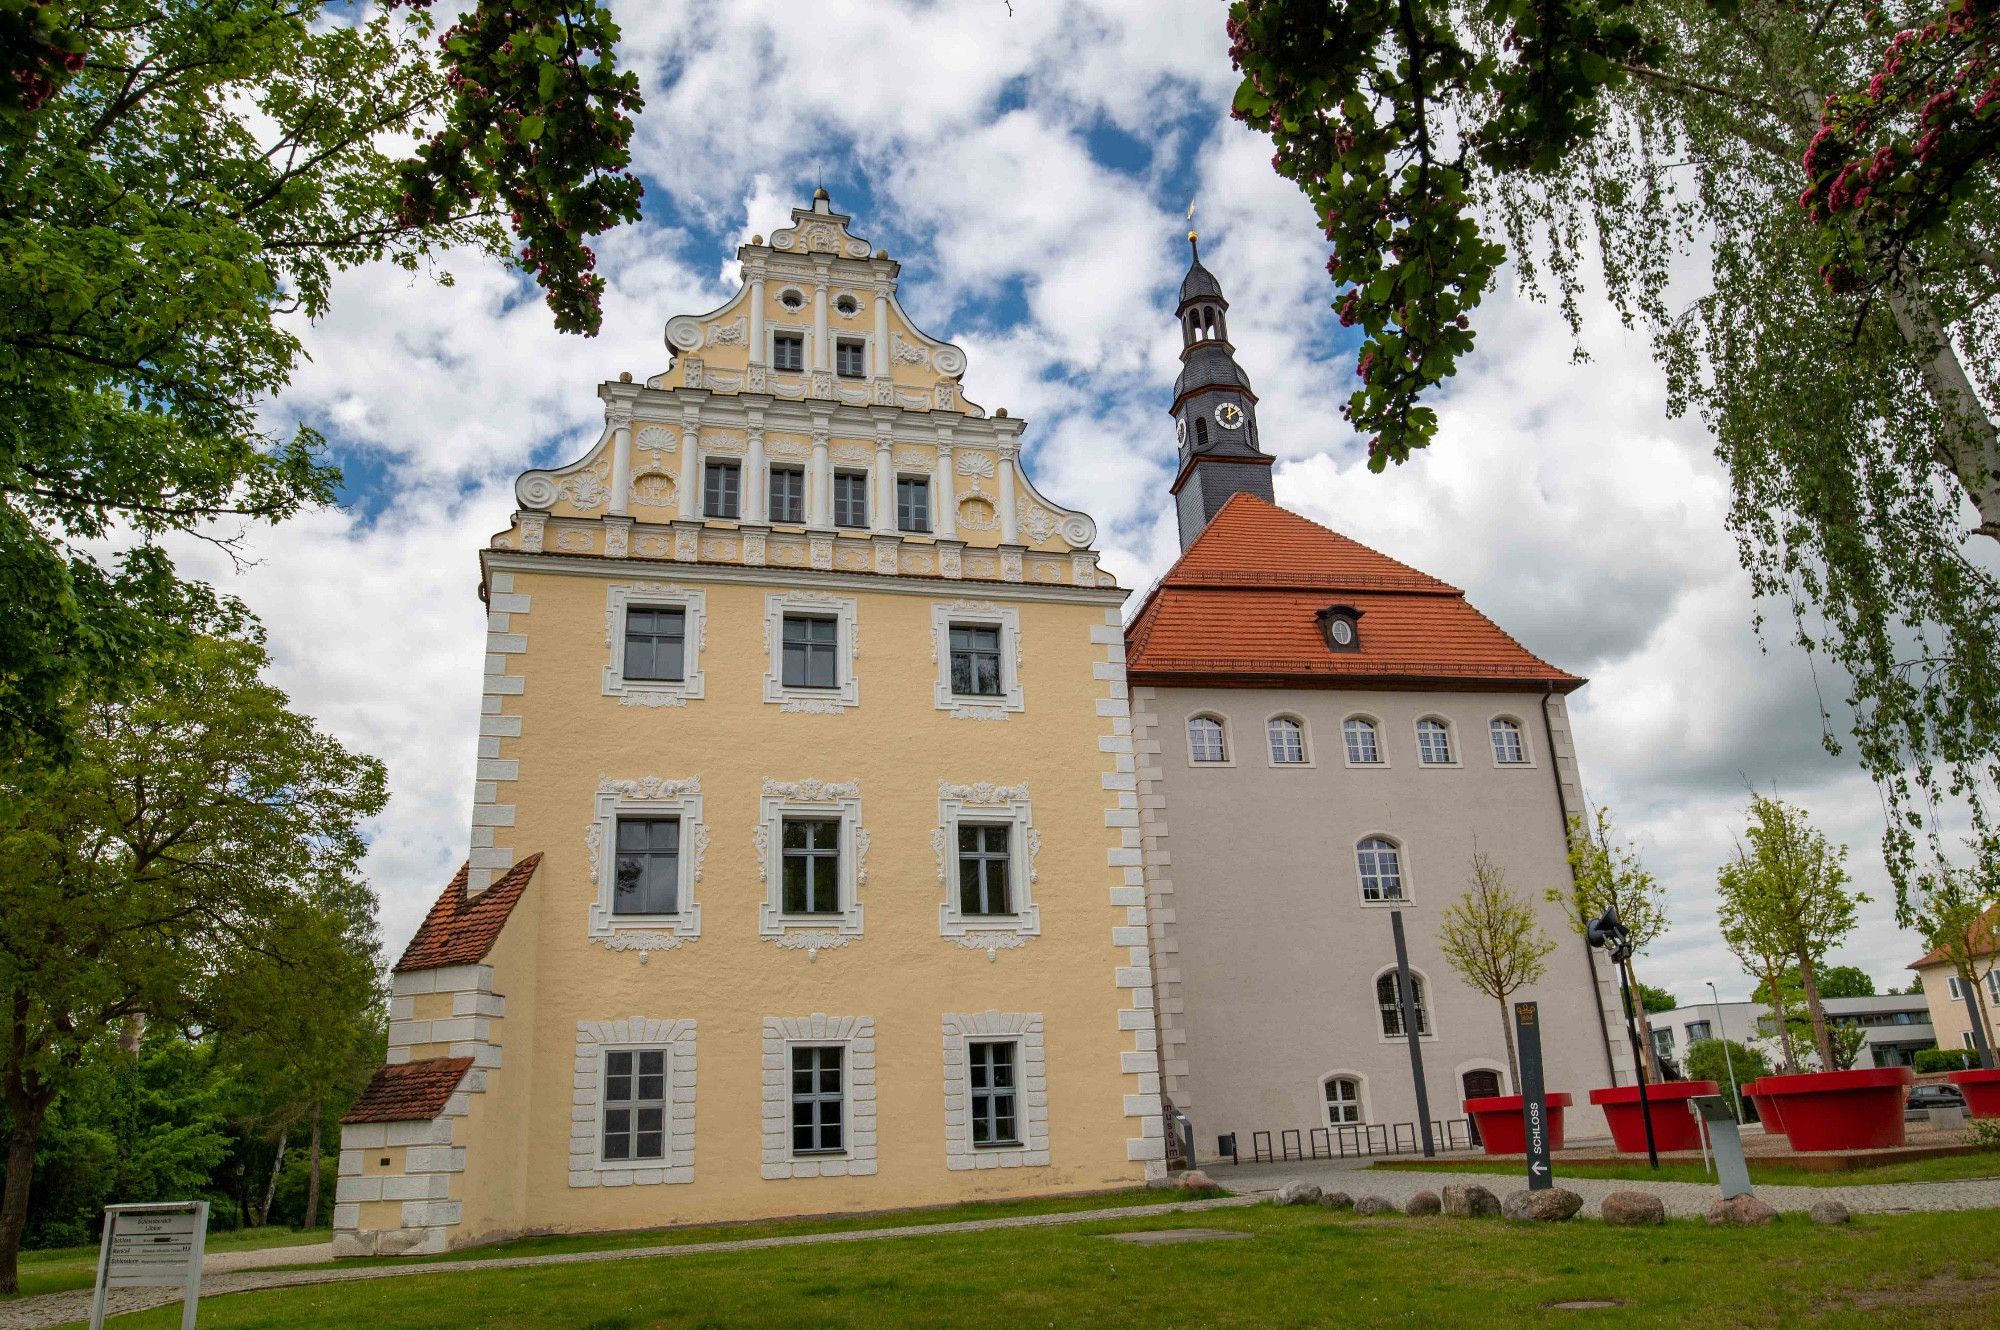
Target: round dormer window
791, 298
1340, 625
848, 307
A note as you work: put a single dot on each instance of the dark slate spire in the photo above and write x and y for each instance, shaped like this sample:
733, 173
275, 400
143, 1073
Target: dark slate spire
1215, 413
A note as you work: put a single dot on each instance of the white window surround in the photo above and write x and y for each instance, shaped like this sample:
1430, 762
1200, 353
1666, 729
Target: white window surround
1402, 872
1381, 747
847, 650
647, 796
586, 1135
693, 603
1954, 988
991, 805
1497, 1067
985, 614
1527, 761
1308, 757
1228, 740
1031, 1107
1364, 1099
810, 798
857, 1070
803, 331
1429, 1005
1451, 740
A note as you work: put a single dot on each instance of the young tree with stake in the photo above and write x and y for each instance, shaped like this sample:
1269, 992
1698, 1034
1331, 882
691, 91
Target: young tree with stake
1606, 876
1492, 938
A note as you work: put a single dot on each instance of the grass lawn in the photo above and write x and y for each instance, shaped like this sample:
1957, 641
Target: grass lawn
1300, 1268
59, 1268
1949, 1169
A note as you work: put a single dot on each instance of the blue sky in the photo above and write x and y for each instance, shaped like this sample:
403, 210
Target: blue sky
1032, 173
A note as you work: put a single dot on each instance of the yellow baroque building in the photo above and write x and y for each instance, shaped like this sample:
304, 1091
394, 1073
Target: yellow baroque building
805, 871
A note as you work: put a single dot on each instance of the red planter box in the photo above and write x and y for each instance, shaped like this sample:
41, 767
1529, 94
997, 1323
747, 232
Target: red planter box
1674, 1126
1836, 1110
1501, 1128
1981, 1090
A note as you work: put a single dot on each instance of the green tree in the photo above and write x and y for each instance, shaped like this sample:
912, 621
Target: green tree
1957, 913
1657, 999
1832, 166
1726, 1062
1785, 904
1605, 875
203, 830
1491, 937
1835, 981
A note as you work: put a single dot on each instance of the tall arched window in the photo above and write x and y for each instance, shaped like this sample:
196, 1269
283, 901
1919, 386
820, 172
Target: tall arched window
1205, 740
1507, 746
1433, 742
1389, 997
1343, 1101
1288, 740
1362, 750
1381, 869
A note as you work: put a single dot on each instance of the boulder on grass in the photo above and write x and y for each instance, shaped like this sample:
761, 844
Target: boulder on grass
1423, 1203
1740, 1212
1470, 1201
1549, 1204
1337, 1200
1374, 1205
1829, 1212
1194, 1180
1297, 1192
1633, 1209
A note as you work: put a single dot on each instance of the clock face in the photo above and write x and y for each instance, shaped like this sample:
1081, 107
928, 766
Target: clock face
1229, 415
1180, 430
1343, 632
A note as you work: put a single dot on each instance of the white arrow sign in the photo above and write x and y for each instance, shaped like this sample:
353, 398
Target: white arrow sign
1538, 1167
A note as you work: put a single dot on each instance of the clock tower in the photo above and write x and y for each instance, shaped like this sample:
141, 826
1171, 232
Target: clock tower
1215, 413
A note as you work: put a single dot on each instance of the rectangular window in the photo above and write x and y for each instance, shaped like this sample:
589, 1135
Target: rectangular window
1951, 986
655, 642
635, 1104
992, 1077
812, 865
818, 1103
649, 866
982, 870
811, 657
1993, 984
850, 498
913, 504
975, 660
1663, 1042
720, 489
788, 494
850, 358
788, 351
1697, 1031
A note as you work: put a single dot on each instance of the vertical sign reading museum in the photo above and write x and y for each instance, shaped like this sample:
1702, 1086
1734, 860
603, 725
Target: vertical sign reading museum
1534, 1101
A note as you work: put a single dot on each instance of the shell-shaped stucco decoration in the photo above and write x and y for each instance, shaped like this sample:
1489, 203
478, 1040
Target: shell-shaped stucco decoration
659, 436
949, 361
685, 333
1079, 530
536, 490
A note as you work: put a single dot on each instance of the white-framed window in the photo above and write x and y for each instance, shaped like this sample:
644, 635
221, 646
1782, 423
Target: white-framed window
632, 1120
986, 845
1389, 1002
1379, 860
789, 347
644, 848
1954, 988
850, 498
1342, 1096
977, 647
819, 1096
813, 853
1287, 738
1993, 984
1207, 743
722, 489
1510, 742
812, 635
1434, 743
787, 502
1698, 1031
1364, 742
850, 357
1965, 1038
995, 1092
913, 504
654, 633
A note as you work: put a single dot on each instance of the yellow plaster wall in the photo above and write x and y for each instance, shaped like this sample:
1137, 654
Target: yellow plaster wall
495, 1130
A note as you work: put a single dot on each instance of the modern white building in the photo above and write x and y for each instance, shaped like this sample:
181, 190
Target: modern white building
1897, 1027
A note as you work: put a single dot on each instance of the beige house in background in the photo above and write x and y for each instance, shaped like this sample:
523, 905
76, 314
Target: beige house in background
1324, 736
1947, 994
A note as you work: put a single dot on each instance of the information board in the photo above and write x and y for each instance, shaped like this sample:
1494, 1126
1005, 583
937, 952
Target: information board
1534, 1100
153, 1245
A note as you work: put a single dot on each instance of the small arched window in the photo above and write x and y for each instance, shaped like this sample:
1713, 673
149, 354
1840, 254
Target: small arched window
1389, 997
1343, 1101
1201, 431
1381, 865
1288, 740
1507, 747
1433, 742
1362, 750
1205, 740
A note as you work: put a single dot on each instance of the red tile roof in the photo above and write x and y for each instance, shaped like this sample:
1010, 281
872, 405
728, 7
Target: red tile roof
459, 931
1239, 606
409, 1091
1985, 940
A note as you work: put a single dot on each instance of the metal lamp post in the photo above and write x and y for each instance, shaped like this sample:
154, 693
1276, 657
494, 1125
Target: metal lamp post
1605, 931
1408, 1003
1722, 1033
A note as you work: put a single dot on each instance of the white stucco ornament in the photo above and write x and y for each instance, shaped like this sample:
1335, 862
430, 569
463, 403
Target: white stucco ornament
685, 333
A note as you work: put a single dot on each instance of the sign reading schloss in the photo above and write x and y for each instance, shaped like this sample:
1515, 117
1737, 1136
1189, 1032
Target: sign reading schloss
156, 1245
1534, 1102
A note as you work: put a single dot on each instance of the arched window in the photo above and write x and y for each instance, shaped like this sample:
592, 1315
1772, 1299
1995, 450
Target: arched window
1201, 431
1288, 740
1205, 740
1362, 750
1433, 742
1343, 1101
1381, 869
1507, 741
1389, 997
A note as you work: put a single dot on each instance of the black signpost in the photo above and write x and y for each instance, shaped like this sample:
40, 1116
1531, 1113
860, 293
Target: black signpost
1407, 992
1534, 1101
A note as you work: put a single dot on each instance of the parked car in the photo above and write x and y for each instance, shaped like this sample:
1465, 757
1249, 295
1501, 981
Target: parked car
1935, 1096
